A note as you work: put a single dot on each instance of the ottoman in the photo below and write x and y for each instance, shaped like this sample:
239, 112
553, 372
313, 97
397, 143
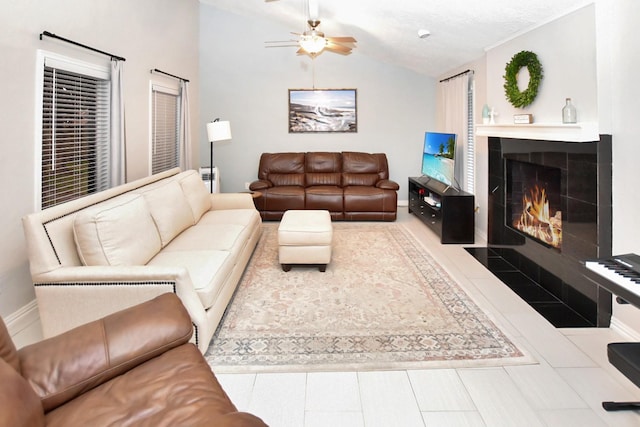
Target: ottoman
304, 237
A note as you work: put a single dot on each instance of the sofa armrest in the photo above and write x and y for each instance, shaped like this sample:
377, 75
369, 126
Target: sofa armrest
387, 184
63, 367
260, 184
70, 296
220, 201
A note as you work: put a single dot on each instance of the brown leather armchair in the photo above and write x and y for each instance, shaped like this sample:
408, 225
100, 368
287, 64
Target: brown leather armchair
134, 367
350, 185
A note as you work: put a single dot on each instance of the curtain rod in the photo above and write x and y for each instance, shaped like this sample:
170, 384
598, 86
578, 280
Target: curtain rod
457, 75
54, 36
170, 75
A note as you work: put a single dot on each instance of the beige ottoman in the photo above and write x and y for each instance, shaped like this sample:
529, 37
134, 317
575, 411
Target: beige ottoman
304, 237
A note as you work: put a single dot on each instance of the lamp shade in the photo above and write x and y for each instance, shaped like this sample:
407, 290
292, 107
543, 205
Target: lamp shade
218, 131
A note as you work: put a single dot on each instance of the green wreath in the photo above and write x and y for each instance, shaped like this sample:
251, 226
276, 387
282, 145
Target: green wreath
522, 59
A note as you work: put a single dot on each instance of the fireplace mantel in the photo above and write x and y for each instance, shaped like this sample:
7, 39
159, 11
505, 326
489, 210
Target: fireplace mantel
579, 132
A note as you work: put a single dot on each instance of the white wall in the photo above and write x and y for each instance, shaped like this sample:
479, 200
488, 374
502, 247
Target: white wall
566, 49
246, 83
148, 33
618, 80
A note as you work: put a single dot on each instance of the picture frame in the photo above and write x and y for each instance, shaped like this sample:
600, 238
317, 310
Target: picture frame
323, 110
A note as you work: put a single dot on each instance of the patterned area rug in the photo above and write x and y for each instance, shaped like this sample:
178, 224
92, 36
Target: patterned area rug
383, 303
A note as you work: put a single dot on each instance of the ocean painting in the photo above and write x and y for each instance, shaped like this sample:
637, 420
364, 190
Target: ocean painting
322, 110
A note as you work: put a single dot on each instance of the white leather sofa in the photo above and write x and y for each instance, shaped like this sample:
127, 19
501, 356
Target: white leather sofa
114, 249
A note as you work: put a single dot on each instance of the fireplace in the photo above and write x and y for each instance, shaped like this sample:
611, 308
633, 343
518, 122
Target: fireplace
549, 211
533, 201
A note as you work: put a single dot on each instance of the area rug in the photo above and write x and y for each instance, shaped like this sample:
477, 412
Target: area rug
383, 303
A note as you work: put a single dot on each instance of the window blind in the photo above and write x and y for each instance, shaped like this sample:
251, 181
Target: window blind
75, 135
471, 144
165, 129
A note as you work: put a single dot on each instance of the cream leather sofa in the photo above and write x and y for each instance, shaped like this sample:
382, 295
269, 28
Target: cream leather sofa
117, 248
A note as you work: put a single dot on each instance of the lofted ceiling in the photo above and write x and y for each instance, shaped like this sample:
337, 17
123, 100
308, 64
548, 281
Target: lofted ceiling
387, 30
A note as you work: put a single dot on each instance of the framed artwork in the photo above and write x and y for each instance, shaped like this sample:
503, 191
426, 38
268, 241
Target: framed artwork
322, 110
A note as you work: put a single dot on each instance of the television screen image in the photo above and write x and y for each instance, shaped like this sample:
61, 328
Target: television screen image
438, 156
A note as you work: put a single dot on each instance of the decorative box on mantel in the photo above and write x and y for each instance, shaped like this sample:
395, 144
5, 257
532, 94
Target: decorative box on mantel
579, 132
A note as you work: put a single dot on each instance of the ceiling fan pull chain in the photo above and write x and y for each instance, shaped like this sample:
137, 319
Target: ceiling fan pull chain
313, 72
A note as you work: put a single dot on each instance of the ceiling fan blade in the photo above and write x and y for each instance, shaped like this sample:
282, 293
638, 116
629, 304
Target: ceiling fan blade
347, 39
338, 48
281, 41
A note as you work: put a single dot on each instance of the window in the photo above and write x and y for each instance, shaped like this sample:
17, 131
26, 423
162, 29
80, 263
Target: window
75, 130
165, 128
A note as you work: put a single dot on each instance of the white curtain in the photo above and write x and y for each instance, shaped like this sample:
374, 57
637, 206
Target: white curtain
118, 161
453, 94
185, 128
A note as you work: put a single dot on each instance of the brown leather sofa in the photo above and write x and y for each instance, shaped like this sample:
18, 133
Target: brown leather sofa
350, 185
134, 367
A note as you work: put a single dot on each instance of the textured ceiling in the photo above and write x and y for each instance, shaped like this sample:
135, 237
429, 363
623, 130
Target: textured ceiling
387, 30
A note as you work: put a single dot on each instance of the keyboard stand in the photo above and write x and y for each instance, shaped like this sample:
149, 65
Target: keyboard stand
625, 356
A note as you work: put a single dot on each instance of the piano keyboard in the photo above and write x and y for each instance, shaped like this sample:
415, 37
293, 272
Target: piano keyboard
623, 270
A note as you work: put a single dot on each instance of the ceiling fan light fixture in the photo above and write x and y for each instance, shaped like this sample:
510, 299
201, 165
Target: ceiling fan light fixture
313, 43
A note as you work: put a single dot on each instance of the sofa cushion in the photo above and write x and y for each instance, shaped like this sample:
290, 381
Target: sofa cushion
120, 231
170, 210
369, 199
8, 351
197, 195
208, 269
325, 197
249, 218
281, 198
222, 237
312, 179
176, 388
364, 179
282, 168
19, 404
323, 168
322, 162
284, 179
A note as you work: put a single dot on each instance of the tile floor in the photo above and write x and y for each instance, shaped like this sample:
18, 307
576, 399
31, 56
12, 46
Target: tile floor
566, 388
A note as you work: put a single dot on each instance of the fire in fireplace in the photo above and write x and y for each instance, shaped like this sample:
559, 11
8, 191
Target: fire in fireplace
533, 201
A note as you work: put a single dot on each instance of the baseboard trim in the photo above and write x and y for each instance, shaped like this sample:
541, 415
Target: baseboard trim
624, 329
20, 320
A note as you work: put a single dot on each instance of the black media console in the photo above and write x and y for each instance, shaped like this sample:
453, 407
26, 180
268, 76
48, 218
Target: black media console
447, 211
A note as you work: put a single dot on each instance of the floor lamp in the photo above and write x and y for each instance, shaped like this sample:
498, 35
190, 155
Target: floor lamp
216, 131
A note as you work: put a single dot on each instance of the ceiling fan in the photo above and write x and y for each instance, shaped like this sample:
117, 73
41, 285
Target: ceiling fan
312, 42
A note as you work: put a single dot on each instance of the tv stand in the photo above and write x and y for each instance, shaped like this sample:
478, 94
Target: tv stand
449, 212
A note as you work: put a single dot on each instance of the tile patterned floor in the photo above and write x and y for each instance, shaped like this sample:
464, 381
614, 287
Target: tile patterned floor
565, 389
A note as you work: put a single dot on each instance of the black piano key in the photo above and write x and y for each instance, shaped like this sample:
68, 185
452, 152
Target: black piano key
622, 270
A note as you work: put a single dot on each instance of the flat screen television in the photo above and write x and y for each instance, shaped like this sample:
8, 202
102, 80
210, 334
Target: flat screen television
438, 157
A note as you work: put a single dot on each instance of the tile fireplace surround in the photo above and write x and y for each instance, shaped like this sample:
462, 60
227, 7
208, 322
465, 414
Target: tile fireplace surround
586, 220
